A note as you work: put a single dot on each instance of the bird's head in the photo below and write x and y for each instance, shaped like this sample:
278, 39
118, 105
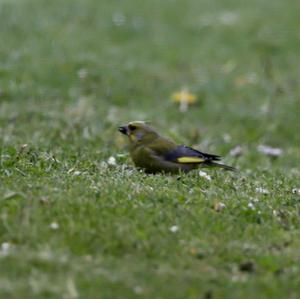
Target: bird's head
138, 132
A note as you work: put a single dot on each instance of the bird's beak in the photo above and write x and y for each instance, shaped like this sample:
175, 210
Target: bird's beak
123, 130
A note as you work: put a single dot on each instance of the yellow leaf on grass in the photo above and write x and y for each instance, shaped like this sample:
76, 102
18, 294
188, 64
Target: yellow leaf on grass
184, 96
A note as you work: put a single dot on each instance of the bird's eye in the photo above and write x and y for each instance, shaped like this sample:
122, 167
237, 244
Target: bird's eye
132, 128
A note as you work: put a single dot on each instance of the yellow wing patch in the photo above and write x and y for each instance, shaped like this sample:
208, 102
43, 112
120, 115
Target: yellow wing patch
190, 160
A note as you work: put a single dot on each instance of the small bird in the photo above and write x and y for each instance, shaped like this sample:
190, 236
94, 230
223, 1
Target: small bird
155, 153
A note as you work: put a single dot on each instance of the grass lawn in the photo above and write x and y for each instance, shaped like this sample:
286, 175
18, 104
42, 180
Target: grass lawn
73, 225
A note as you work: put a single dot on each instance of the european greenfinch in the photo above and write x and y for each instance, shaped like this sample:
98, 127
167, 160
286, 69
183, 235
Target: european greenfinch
155, 153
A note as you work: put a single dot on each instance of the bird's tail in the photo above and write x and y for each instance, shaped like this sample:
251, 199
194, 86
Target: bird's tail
226, 167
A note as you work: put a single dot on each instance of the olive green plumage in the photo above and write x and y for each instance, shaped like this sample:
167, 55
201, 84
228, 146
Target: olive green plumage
155, 153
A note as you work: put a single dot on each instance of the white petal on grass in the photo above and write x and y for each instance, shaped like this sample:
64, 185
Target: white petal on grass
54, 226
270, 151
138, 290
228, 18
74, 172
262, 190
24, 146
296, 191
46, 255
236, 151
118, 19
265, 108
71, 288
219, 206
252, 77
103, 164
111, 161
82, 73
227, 138
205, 175
70, 170
251, 206
174, 229
5, 248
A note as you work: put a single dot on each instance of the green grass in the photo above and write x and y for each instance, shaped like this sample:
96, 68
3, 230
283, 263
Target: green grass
71, 72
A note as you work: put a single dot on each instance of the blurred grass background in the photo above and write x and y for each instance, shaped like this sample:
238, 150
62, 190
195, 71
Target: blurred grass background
73, 226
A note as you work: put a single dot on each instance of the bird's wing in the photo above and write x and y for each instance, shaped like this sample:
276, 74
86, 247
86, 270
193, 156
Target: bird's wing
160, 146
184, 154
179, 153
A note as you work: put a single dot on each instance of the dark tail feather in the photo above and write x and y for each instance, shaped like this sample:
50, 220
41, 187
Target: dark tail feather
226, 167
